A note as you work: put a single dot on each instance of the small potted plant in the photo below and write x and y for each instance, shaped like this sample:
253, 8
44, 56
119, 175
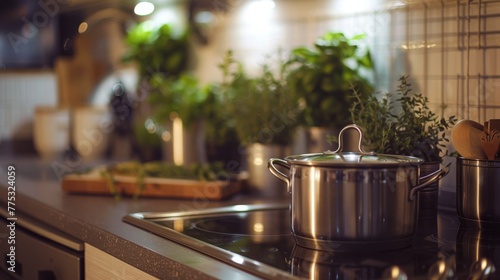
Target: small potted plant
181, 95
180, 107
160, 53
323, 77
264, 114
221, 138
403, 124
263, 109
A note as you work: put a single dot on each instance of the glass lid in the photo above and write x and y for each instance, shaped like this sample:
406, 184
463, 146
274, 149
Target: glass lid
330, 159
350, 152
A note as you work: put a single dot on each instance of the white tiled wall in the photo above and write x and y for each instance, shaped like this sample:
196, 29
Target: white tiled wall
19, 94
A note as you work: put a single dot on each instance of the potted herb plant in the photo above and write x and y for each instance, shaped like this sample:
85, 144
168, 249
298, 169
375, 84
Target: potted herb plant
264, 114
402, 123
323, 77
159, 52
221, 138
180, 104
204, 118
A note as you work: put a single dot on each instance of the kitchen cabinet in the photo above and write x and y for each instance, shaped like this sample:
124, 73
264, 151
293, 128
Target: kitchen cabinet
101, 265
34, 251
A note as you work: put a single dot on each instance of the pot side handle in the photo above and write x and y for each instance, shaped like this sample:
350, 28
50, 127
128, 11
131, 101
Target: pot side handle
428, 180
280, 175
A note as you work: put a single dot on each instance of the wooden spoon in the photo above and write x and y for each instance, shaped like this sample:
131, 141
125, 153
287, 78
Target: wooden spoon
490, 142
466, 137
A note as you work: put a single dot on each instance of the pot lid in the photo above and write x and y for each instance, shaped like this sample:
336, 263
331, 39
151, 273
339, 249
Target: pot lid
350, 153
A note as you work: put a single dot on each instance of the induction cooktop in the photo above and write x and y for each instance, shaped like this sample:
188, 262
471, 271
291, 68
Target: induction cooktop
258, 240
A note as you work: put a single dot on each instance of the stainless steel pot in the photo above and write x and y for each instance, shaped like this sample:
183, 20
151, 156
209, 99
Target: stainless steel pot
350, 199
478, 193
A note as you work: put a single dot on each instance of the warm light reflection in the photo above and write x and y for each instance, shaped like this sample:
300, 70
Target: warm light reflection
394, 272
441, 268
178, 143
396, 4
144, 8
483, 263
397, 273
83, 27
258, 161
418, 45
313, 202
179, 225
258, 227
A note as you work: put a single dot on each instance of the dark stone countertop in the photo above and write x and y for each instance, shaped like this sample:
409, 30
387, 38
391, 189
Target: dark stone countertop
97, 220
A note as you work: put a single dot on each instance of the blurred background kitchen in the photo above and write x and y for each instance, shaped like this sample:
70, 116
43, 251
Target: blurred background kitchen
69, 54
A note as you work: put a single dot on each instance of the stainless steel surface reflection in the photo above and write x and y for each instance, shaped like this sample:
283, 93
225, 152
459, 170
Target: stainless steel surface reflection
258, 240
316, 264
481, 249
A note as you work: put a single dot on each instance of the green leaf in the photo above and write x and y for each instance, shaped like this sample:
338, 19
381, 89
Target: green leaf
329, 70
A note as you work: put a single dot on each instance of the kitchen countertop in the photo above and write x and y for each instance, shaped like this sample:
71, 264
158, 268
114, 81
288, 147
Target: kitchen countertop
97, 220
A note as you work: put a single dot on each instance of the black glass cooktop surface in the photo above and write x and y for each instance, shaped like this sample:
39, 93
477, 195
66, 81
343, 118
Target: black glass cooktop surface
258, 239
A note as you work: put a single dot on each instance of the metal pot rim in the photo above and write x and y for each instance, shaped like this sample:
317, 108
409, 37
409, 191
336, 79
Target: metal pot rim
478, 162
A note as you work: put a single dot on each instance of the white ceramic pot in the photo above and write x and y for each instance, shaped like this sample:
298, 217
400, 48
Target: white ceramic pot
91, 130
51, 131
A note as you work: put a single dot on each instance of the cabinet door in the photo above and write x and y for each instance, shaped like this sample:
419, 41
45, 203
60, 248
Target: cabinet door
36, 257
101, 265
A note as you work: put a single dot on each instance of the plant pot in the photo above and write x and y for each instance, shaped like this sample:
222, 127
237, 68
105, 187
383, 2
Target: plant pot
260, 181
184, 145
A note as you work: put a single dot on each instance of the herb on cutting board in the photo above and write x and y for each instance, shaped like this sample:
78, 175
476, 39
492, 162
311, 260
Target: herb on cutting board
156, 169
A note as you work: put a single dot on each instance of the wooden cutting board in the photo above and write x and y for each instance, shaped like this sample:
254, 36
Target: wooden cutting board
94, 183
